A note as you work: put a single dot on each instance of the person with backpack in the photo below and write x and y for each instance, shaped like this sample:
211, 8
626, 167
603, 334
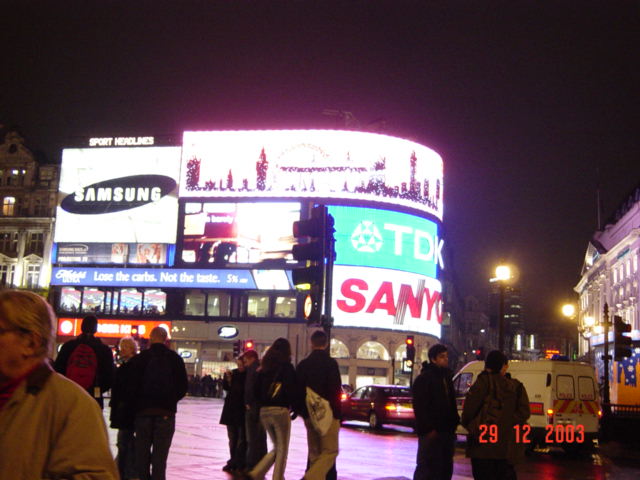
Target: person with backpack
436, 414
493, 405
158, 381
275, 391
87, 361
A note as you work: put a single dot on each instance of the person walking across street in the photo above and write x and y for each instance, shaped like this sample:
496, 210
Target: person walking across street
49, 426
255, 434
320, 373
158, 382
494, 399
122, 414
233, 416
275, 390
434, 406
87, 361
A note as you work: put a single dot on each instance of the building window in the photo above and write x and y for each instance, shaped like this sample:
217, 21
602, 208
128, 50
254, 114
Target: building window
35, 243
16, 176
285, 307
93, 300
6, 274
218, 304
194, 303
155, 302
338, 349
33, 275
130, 301
9, 242
9, 206
372, 351
258, 306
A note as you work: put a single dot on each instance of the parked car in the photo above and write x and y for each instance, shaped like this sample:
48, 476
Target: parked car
378, 405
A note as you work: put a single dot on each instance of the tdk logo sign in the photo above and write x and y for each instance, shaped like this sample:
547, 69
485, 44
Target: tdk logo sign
380, 238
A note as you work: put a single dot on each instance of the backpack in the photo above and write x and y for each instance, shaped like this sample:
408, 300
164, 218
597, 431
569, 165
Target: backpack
82, 366
320, 412
157, 381
489, 413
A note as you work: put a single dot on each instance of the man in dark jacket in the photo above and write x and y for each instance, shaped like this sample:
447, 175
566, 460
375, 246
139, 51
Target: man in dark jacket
159, 381
434, 406
233, 416
256, 435
320, 373
103, 371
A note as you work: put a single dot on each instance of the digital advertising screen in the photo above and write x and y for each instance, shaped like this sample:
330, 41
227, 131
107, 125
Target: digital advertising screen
140, 253
328, 164
369, 297
372, 237
238, 232
118, 195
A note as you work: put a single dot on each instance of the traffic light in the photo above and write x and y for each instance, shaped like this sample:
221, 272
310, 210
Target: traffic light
316, 251
411, 349
248, 345
621, 343
237, 346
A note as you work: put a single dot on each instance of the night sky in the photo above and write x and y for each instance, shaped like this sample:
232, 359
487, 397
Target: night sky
525, 101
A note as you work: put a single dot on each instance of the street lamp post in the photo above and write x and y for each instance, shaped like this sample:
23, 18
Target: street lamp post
503, 274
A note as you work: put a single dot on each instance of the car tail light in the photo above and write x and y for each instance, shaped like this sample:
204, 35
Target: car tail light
536, 408
550, 416
343, 397
391, 407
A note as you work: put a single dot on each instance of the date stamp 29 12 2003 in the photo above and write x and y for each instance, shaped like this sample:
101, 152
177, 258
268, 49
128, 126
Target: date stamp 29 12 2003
554, 433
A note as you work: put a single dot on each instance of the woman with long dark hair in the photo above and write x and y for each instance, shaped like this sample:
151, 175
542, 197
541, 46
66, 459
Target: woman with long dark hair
275, 393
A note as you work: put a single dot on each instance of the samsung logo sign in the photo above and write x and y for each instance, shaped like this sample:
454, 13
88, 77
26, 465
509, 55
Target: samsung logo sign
118, 194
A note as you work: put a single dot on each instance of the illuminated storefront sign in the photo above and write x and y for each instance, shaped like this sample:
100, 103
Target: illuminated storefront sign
112, 328
228, 331
388, 299
313, 164
118, 195
121, 141
381, 238
164, 277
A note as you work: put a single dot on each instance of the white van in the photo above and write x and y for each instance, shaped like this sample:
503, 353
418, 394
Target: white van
563, 396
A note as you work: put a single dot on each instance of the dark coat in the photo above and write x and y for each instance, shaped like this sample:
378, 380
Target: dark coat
434, 400
158, 405
515, 410
122, 406
284, 374
321, 373
233, 409
106, 365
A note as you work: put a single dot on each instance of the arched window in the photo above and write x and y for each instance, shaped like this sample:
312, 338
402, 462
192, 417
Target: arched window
338, 349
372, 351
401, 352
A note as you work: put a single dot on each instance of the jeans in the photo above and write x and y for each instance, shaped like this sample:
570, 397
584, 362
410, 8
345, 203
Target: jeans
153, 439
256, 437
126, 453
435, 456
323, 450
277, 423
237, 446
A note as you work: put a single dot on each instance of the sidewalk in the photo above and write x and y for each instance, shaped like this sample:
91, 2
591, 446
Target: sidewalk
200, 449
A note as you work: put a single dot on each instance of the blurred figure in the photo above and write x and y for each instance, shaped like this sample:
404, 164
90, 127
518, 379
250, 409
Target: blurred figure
275, 391
122, 414
233, 416
321, 373
158, 382
87, 361
49, 426
434, 405
255, 434
493, 460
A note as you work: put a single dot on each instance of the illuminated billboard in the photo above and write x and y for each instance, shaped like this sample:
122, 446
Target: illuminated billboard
382, 238
327, 164
216, 234
141, 253
112, 328
368, 297
118, 195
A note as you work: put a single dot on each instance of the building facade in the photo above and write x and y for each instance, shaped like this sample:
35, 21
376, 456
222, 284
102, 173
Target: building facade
610, 277
28, 191
197, 237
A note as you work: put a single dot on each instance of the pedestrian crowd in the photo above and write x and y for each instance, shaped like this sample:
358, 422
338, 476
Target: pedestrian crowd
51, 423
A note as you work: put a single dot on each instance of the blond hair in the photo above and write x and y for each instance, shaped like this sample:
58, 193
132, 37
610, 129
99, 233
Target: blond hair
131, 341
30, 313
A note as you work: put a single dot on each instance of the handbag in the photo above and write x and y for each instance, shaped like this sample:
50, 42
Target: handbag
320, 412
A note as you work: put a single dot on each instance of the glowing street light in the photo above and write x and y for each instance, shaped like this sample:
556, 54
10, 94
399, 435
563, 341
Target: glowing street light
569, 310
503, 275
